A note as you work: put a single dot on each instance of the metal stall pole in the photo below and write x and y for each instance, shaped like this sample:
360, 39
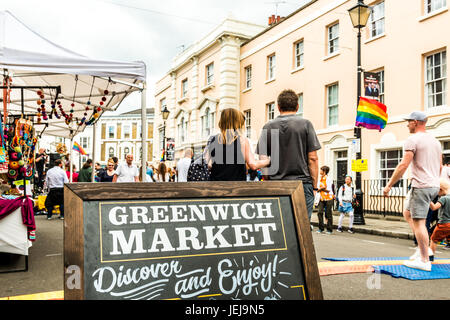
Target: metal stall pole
93, 151
144, 131
71, 158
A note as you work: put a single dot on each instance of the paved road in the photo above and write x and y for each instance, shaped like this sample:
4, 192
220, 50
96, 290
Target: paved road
46, 267
354, 286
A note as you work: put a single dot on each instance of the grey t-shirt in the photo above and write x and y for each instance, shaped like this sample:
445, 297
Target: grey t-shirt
444, 212
288, 140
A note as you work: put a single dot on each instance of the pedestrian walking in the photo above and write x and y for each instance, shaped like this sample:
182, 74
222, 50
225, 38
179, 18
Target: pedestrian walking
126, 172
74, 173
183, 165
108, 174
423, 153
442, 230
295, 150
147, 177
228, 153
41, 160
85, 174
346, 195
55, 180
326, 200
163, 173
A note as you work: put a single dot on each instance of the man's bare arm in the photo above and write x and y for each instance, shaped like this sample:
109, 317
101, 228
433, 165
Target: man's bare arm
313, 165
399, 171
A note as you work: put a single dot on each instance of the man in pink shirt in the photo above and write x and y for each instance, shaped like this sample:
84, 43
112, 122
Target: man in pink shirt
423, 152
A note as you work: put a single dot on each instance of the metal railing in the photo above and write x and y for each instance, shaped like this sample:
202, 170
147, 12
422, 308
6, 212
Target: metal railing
376, 203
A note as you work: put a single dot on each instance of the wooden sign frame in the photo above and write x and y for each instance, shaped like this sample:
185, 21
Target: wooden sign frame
76, 194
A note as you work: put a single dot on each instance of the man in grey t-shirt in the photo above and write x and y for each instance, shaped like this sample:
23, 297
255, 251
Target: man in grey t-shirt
423, 153
292, 144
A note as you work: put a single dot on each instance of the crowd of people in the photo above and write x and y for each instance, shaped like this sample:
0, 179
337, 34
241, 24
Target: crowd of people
228, 156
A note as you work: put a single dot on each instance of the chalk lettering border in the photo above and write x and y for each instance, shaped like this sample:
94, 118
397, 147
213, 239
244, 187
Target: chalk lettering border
219, 294
102, 261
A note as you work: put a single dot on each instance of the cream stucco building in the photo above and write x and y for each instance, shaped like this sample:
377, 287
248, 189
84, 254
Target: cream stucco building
313, 51
203, 80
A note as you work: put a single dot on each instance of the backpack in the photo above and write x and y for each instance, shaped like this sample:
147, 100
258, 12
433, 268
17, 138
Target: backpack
355, 202
198, 170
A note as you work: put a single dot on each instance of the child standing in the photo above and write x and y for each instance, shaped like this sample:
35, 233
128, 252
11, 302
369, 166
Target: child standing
442, 230
346, 194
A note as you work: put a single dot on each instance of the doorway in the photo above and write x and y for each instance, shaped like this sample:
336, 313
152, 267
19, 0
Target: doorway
341, 168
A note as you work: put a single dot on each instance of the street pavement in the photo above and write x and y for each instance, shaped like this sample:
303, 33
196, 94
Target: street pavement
46, 263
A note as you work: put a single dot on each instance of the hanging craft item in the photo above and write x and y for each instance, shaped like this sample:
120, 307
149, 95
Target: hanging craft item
21, 148
97, 111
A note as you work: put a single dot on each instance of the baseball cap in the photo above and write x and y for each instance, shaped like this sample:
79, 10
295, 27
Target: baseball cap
418, 116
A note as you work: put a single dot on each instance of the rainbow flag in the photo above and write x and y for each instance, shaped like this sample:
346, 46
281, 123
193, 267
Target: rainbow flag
79, 148
162, 156
371, 114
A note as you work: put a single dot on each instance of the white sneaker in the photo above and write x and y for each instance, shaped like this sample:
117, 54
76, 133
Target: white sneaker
416, 254
418, 264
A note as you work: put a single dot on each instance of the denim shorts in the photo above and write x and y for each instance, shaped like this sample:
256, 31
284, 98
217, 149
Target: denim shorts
346, 207
419, 201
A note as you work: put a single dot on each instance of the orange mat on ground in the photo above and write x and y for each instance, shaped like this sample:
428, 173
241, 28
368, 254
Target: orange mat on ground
348, 267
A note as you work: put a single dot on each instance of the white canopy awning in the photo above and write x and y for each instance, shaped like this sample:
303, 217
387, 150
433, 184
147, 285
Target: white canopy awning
32, 60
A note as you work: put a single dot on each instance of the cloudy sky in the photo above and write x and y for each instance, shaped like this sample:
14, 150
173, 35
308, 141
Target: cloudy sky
152, 31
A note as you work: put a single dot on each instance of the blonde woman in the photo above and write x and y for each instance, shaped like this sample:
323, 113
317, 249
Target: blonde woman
228, 153
108, 174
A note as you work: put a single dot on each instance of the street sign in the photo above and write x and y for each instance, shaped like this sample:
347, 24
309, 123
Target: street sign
228, 240
356, 146
360, 165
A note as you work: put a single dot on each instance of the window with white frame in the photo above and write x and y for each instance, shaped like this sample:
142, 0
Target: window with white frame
271, 61
271, 111
111, 152
376, 20
182, 130
209, 74
446, 151
434, 5
381, 95
333, 38
207, 123
162, 103
161, 140
333, 104
248, 123
111, 132
389, 160
248, 77
184, 88
299, 54
84, 141
436, 79
126, 131
300, 105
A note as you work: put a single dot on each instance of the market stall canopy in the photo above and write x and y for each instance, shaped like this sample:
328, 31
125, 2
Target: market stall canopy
31, 60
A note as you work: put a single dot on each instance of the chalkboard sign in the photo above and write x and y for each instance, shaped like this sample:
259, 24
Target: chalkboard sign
171, 241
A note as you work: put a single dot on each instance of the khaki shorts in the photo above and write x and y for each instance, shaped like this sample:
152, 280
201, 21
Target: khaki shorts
419, 201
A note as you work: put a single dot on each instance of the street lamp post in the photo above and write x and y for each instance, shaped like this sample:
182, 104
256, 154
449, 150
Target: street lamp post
359, 15
165, 115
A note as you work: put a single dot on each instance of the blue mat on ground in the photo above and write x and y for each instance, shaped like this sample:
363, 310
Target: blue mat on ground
438, 271
371, 259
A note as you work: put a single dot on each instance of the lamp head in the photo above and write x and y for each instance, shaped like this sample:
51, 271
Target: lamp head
360, 14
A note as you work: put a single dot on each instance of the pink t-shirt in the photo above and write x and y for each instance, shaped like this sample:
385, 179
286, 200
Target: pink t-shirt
426, 164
